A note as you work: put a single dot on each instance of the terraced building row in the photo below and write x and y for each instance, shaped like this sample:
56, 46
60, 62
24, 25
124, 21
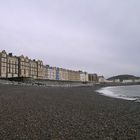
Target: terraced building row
20, 66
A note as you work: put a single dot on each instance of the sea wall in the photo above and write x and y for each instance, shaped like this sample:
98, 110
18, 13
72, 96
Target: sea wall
40, 82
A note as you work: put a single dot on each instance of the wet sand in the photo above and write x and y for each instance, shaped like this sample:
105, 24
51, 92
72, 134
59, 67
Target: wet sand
75, 113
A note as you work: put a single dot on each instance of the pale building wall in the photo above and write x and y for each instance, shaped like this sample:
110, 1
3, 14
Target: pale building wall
12, 66
52, 73
62, 74
83, 76
78, 76
86, 75
65, 74
137, 80
70, 75
117, 80
101, 79
49, 72
3, 64
45, 72
24, 66
127, 81
33, 69
40, 69
73, 75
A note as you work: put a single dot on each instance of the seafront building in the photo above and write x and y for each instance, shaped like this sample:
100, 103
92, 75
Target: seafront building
128, 81
51, 73
45, 72
93, 78
3, 64
33, 69
83, 76
73, 75
137, 80
12, 66
63, 74
40, 69
24, 67
103, 80
116, 80
57, 73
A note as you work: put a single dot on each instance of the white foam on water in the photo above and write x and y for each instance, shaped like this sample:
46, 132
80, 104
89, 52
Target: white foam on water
107, 92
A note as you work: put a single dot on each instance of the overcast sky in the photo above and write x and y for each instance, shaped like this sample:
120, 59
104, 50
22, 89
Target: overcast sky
98, 36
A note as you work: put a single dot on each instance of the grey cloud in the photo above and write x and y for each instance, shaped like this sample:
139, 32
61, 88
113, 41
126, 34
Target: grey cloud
93, 35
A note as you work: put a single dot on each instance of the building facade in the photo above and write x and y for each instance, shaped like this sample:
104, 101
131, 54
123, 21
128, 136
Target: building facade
24, 66
3, 64
83, 76
93, 78
33, 69
58, 73
40, 69
73, 75
102, 79
65, 74
21, 66
12, 66
51, 73
45, 72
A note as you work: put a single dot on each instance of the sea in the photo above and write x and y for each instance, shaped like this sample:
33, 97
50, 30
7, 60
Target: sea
123, 92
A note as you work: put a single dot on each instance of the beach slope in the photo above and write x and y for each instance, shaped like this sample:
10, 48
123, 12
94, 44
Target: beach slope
75, 113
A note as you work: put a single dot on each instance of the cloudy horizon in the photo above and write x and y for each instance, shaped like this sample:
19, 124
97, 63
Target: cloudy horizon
91, 35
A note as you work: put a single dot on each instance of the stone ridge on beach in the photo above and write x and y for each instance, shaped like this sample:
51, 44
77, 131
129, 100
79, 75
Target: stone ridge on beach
76, 113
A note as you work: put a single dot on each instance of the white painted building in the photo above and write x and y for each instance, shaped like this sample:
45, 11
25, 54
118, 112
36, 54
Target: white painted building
101, 79
115, 81
137, 80
51, 73
83, 76
128, 81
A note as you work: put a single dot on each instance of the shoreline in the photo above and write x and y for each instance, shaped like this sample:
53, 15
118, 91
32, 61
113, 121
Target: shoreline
57, 83
105, 91
30, 112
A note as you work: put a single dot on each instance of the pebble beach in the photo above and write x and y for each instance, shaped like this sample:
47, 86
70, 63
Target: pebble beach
65, 113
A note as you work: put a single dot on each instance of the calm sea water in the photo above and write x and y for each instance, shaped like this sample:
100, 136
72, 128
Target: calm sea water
124, 92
